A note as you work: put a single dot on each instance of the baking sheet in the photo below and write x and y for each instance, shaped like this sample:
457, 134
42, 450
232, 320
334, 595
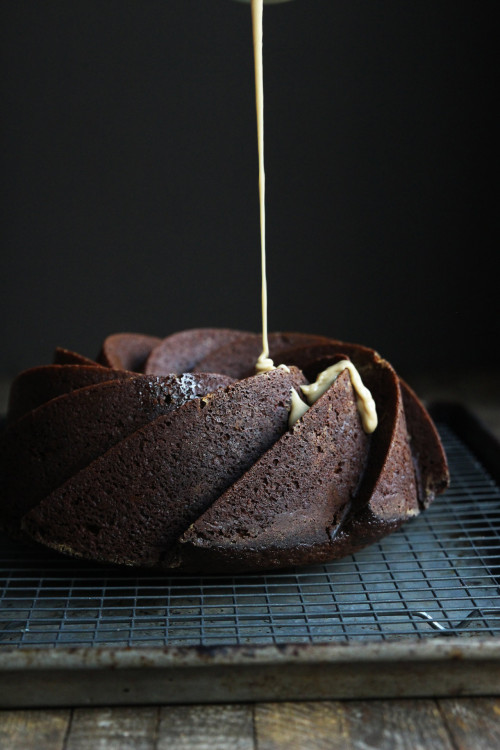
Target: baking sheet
425, 603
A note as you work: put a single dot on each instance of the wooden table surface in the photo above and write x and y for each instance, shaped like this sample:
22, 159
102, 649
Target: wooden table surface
424, 724
416, 724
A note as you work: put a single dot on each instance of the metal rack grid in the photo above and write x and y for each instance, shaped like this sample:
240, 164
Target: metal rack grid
438, 575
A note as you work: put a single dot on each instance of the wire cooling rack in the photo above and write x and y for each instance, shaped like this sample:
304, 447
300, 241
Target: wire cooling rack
438, 576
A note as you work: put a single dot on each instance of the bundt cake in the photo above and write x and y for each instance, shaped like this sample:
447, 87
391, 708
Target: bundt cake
174, 454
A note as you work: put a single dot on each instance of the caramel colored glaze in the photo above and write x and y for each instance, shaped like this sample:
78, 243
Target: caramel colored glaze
263, 362
383, 383
366, 405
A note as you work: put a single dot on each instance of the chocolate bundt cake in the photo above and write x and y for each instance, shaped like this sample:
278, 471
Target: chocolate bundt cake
174, 454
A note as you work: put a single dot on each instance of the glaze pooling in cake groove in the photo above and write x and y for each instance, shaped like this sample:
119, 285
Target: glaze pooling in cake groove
162, 490
364, 400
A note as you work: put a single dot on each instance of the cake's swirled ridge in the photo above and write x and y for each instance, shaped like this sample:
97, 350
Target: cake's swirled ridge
172, 453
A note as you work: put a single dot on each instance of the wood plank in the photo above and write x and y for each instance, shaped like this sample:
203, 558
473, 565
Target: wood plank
113, 729
33, 729
206, 727
352, 725
473, 723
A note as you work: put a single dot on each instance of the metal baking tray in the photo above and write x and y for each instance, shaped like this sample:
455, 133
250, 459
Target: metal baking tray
417, 614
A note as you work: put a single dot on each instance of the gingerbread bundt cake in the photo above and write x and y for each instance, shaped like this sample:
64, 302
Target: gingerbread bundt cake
174, 454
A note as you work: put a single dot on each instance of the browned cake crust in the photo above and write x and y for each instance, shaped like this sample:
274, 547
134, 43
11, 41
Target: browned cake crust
183, 351
67, 357
46, 446
291, 500
127, 351
132, 503
171, 453
36, 386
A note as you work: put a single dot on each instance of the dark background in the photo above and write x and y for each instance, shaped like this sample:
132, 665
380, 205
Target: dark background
130, 174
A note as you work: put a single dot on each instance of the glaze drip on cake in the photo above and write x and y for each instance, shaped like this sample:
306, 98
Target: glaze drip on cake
264, 362
365, 402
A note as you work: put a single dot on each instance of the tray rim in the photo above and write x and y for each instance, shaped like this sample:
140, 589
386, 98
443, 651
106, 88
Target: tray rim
436, 649
182, 675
